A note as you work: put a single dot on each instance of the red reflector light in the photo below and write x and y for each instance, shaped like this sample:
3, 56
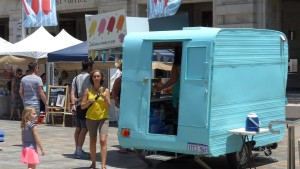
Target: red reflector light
125, 132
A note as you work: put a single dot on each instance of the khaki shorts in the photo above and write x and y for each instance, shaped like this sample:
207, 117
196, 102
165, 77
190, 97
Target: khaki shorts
94, 125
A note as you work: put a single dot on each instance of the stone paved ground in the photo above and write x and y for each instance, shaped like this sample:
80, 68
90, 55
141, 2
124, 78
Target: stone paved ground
59, 148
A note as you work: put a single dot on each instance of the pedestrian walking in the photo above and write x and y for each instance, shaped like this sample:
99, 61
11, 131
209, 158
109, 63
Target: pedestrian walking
116, 95
79, 84
97, 100
31, 89
30, 138
16, 100
42, 105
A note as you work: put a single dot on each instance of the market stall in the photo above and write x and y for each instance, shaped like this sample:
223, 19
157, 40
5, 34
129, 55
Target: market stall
4, 77
107, 31
71, 57
33, 48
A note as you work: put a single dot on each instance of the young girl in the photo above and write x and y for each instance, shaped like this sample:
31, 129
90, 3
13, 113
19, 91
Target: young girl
30, 138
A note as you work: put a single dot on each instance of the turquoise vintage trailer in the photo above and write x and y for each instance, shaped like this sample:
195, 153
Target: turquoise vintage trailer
225, 74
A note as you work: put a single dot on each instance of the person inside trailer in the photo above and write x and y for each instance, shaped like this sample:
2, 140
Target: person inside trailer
174, 82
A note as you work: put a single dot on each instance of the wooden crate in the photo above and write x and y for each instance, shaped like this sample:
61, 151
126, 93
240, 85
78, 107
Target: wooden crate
58, 118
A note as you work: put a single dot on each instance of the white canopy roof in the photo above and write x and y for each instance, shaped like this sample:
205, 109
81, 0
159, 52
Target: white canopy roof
39, 44
4, 43
34, 46
64, 40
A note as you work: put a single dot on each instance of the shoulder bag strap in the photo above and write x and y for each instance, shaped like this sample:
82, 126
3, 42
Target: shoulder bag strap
76, 90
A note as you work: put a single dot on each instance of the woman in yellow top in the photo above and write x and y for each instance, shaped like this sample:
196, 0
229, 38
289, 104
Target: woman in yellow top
98, 101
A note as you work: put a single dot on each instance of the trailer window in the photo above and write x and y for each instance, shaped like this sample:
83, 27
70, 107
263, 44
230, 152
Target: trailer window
195, 57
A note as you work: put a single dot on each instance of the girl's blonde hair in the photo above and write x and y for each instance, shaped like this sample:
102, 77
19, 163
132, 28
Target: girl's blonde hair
27, 110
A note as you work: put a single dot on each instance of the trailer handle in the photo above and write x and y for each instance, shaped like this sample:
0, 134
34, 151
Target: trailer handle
291, 140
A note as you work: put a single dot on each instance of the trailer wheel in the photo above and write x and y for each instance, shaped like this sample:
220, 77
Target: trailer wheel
238, 159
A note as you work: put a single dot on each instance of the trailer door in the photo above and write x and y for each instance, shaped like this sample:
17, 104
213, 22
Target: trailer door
194, 84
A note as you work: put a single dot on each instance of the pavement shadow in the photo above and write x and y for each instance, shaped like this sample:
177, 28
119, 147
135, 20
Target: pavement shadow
72, 156
114, 159
113, 124
264, 160
123, 160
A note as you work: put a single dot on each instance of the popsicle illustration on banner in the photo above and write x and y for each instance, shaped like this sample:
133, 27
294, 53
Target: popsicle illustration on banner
121, 37
120, 23
29, 12
102, 26
35, 5
26, 7
92, 28
46, 6
111, 24
166, 3
92, 54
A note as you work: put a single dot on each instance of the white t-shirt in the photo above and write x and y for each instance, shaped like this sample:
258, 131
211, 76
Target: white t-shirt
82, 82
114, 77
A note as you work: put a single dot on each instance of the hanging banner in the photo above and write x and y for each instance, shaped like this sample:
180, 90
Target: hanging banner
106, 30
162, 8
39, 13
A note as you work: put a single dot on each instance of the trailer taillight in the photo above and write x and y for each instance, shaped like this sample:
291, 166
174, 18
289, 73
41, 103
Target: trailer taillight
125, 132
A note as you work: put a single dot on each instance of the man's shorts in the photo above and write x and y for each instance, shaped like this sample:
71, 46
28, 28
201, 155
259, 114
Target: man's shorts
94, 125
80, 123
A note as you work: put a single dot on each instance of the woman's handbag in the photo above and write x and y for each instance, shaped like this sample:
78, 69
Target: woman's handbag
80, 113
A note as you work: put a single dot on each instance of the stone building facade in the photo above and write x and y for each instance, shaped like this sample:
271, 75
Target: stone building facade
281, 15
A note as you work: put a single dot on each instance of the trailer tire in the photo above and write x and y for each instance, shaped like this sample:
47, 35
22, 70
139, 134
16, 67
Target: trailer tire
238, 159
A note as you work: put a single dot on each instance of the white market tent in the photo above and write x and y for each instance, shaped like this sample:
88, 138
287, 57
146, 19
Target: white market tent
34, 46
64, 40
39, 44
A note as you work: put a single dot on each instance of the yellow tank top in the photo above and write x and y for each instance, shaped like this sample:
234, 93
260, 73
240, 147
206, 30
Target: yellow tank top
97, 111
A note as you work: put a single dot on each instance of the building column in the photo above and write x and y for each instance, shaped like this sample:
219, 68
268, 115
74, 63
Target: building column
264, 14
233, 14
108, 6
